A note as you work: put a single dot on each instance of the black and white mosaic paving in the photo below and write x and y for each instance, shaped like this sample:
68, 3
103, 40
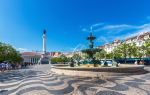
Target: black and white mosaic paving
39, 80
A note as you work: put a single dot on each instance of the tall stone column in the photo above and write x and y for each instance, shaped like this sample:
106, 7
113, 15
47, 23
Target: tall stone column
44, 57
44, 42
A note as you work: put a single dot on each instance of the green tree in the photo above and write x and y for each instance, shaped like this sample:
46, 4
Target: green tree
109, 55
147, 48
56, 59
134, 50
116, 53
100, 55
122, 50
85, 56
63, 58
139, 52
8, 53
129, 50
77, 57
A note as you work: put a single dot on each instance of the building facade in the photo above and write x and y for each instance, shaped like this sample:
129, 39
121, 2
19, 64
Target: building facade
34, 56
139, 40
31, 57
55, 54
110, 47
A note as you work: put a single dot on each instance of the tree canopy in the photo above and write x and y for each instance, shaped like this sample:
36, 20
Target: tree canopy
126, 50
62, 58
9, 54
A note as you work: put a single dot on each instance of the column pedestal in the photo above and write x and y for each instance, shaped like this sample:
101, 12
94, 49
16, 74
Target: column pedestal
44, 59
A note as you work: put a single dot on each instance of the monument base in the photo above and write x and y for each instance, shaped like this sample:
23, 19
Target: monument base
44, 59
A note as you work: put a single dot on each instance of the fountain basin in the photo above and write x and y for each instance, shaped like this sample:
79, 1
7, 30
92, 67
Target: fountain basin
60, 65
100, 71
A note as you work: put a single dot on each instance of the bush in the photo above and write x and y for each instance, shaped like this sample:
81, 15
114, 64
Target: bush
56, 60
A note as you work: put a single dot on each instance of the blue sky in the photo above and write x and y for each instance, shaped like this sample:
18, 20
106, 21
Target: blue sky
68, 22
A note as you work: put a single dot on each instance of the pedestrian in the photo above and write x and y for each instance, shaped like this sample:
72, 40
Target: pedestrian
7, 66
141, 62
136, 63
0, 67
3, 66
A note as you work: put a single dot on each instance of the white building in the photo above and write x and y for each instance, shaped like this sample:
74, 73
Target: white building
31, 57
139, 40
110, 47
55, 54
70, 54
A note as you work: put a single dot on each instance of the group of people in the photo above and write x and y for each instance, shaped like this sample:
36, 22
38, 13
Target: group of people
10, 66
139, 62
5, 66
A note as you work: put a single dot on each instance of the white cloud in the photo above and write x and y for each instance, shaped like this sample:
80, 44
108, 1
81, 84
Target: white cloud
93, 27
140, 30
144, 25
97, 24
115, 28
22, 49
121, 26
110, 32
102, 39
121, 31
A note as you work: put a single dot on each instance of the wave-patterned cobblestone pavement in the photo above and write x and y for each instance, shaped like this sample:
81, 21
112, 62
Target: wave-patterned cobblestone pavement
39, 80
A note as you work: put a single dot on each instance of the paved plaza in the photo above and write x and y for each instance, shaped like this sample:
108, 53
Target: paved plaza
39, 80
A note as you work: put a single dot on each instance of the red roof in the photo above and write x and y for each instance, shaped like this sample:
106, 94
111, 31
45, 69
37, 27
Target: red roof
116, 41
31, 54
139, 36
